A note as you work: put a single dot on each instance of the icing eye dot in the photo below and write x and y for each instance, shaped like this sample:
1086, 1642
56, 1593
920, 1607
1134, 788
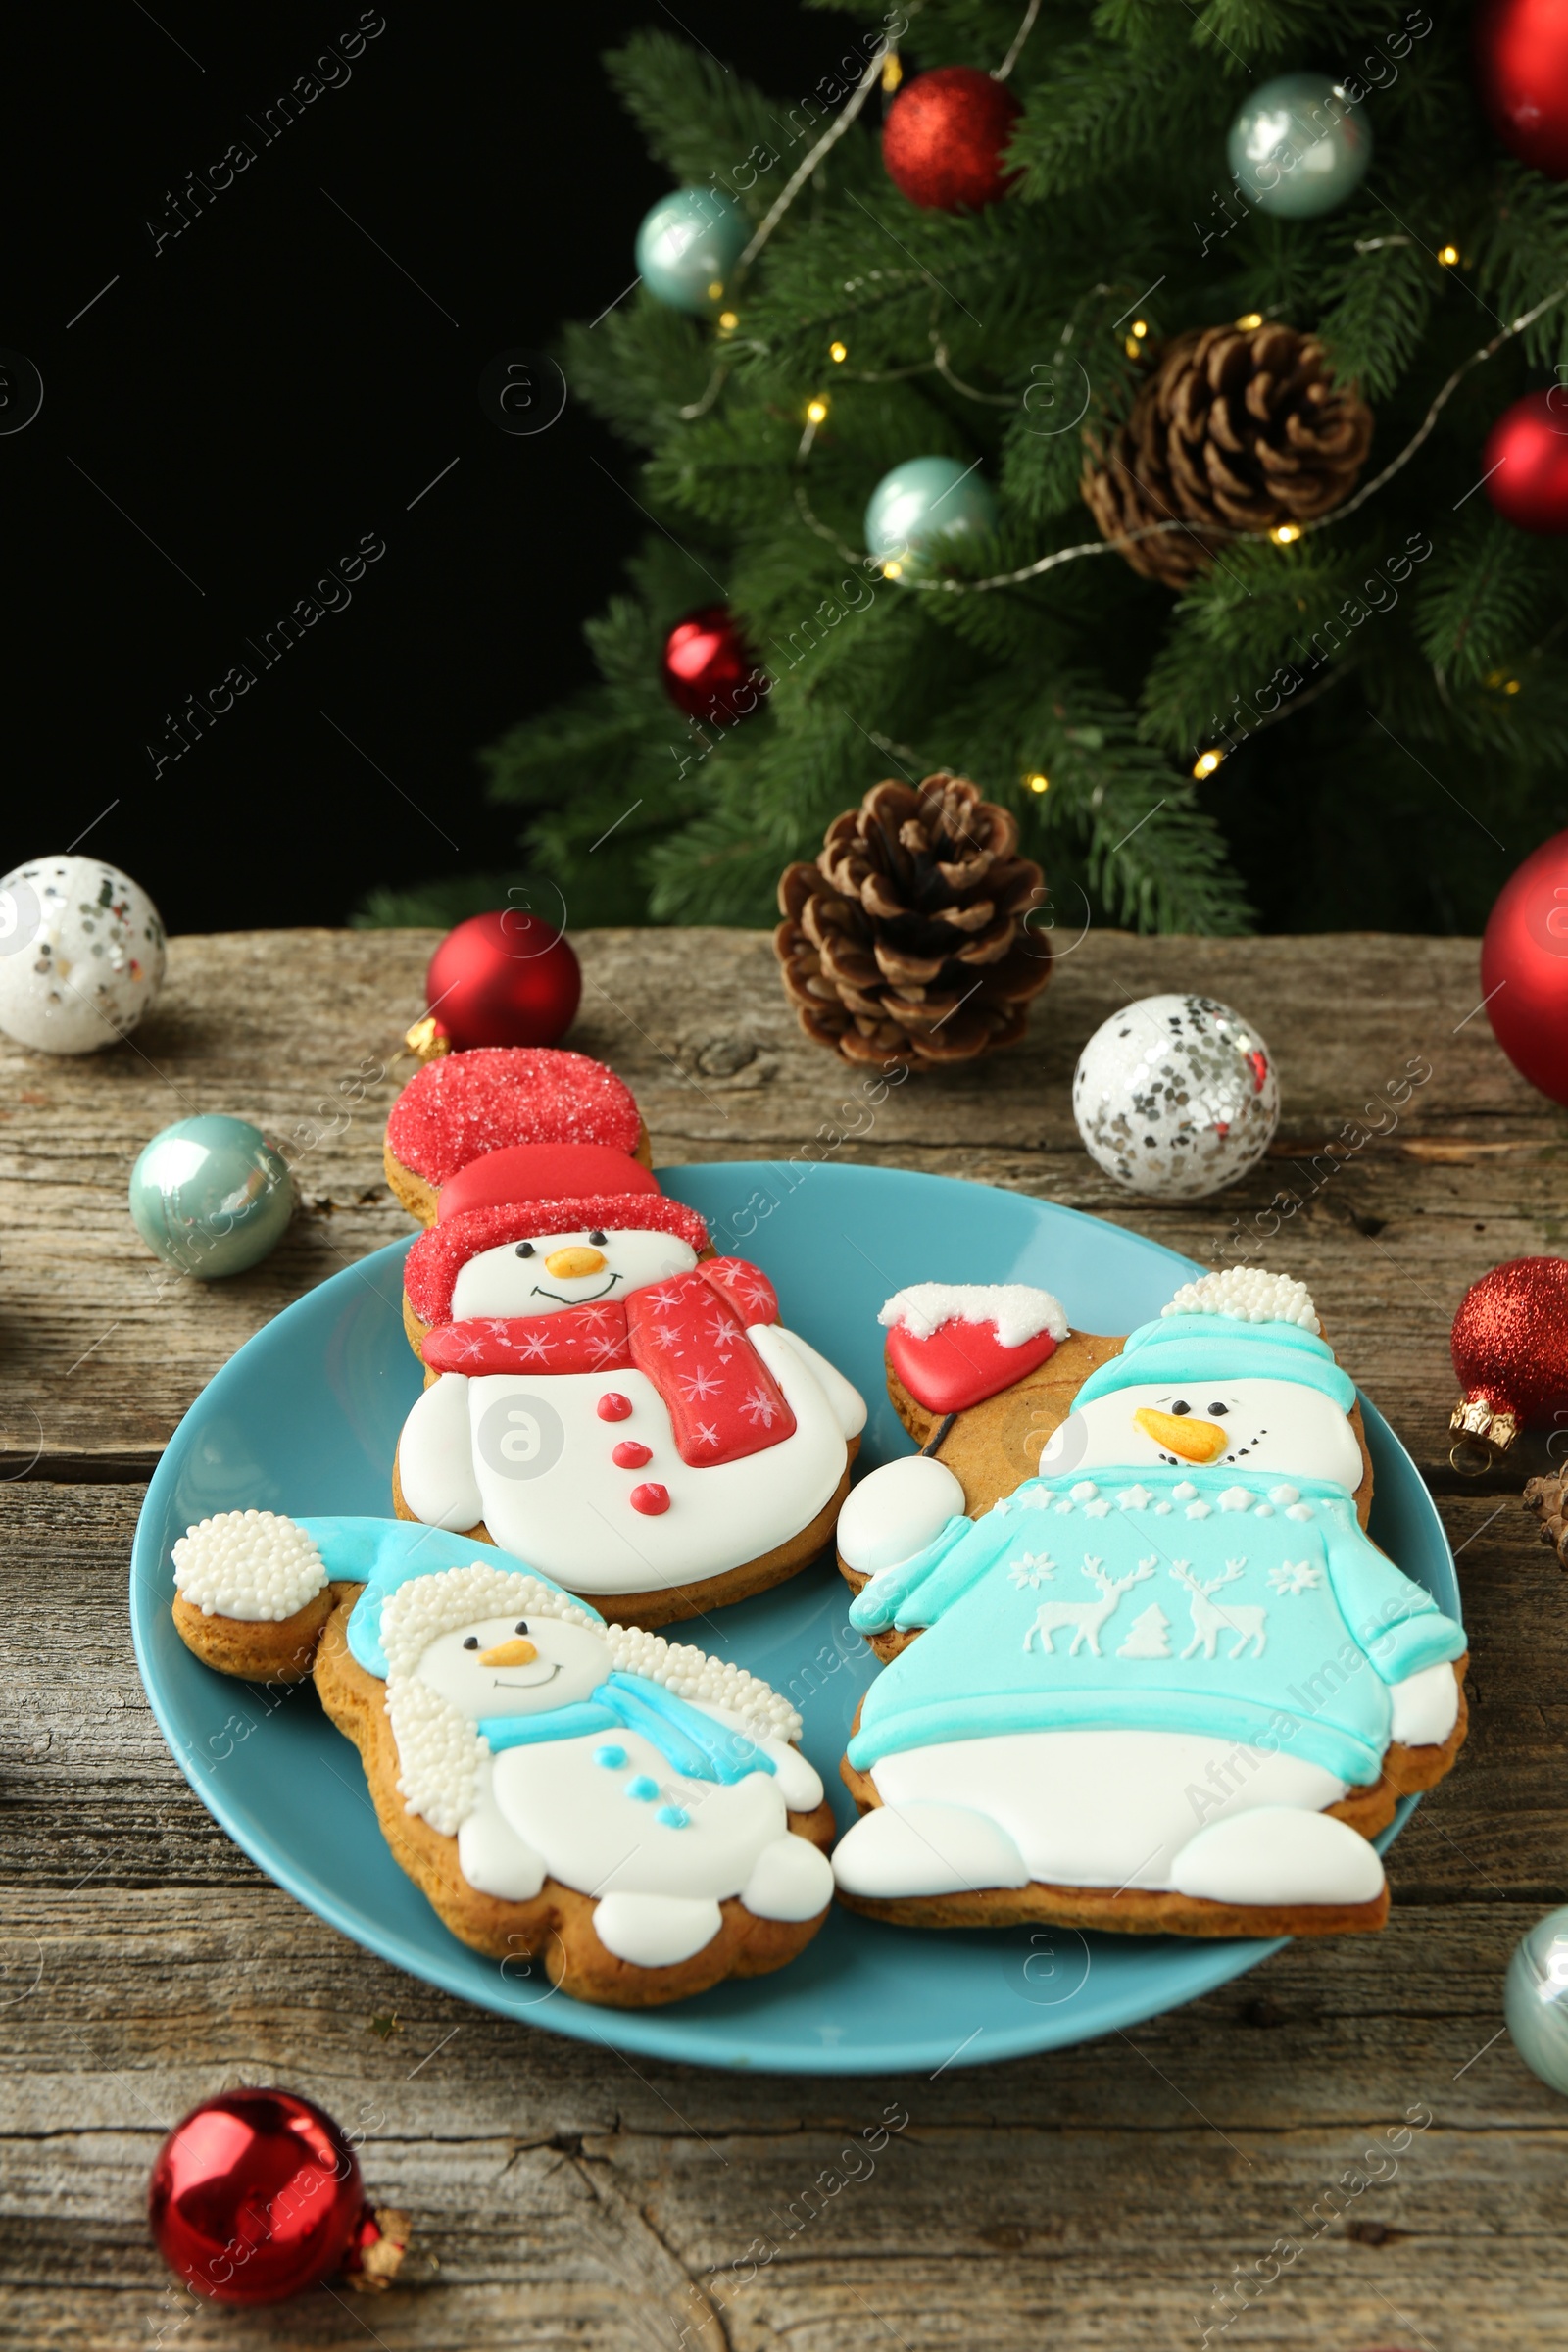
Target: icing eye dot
472, 1643
1218, 1411
526, 1249
521, 1626
596, 1238
1180, 1405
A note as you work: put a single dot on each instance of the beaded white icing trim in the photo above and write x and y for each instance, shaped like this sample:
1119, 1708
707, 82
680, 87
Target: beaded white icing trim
254, 1565
420, 1611
440, 1749
1249, 1296
1018, 1310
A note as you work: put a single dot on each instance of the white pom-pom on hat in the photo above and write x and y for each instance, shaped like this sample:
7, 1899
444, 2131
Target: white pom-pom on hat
256, 1566
1248, 1294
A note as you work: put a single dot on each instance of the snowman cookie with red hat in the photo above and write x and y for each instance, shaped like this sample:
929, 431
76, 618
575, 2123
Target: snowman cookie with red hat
1164, 1683
605, 1399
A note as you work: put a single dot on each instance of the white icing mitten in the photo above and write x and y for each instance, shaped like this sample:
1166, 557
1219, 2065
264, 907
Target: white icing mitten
1426, 1706
895, 1513
1274, 1855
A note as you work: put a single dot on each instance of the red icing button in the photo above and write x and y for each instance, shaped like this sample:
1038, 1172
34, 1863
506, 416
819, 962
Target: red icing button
629, 1456
612, 1405
649, 1500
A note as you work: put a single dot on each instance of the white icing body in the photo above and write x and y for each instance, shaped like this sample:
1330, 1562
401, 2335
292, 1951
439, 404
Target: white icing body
1105, 1808
573, 1519
1154, 1810
1270, 1424
478, 1643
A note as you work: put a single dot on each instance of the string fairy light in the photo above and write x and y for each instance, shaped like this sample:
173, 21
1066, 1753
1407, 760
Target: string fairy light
1104, 547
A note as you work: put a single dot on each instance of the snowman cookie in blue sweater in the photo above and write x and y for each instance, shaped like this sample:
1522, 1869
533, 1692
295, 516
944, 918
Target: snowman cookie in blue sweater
1169, 1684
627, 1812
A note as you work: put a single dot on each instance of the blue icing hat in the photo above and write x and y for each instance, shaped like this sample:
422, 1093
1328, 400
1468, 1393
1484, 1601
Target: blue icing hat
1196, 1349
384, 1553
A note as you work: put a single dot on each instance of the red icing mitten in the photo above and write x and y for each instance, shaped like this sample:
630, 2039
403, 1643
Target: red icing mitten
952, 1345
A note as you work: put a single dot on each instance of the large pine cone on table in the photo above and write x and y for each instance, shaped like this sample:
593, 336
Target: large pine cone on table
1237, 428
908, 938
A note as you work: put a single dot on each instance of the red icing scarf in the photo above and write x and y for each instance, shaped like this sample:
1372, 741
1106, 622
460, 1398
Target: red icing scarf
685, 1335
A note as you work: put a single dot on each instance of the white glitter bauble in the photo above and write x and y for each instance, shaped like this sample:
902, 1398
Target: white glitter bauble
1175, 1097
81, 954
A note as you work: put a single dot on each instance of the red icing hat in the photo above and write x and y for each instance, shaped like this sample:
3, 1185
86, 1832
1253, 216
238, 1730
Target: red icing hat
464, 1105
541, 1172
439, 1256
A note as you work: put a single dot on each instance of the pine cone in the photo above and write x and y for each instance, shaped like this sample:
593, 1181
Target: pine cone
1233, 428
1545, 1497
907, 939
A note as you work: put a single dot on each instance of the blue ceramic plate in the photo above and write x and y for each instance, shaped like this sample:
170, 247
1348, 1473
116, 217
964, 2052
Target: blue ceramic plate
306, 1418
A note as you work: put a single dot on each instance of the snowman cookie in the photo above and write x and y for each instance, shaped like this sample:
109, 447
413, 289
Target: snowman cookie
503, 1122
628, 1814
1167, 1683
616, 1406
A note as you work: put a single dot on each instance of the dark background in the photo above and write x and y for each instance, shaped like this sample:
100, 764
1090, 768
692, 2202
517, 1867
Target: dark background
270, 386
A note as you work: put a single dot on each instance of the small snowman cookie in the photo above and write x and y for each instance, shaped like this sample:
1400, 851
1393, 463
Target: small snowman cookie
631, 1814
611, 1403
1168, 1683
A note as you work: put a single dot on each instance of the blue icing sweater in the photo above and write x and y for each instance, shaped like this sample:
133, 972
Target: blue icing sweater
1276, 1624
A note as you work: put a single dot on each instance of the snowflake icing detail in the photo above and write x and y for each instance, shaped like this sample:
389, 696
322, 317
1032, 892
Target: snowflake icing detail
706, 1434
758, 1405
1032, 1570
536, 1346
1296, 1576
697, 1386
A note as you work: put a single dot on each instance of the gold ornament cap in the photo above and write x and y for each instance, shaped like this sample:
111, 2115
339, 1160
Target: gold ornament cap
427, 1040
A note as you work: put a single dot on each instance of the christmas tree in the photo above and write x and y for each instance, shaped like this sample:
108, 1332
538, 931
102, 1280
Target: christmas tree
1346, 710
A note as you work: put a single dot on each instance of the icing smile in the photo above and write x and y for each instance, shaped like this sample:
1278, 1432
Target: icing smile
535, 1682
561, 1299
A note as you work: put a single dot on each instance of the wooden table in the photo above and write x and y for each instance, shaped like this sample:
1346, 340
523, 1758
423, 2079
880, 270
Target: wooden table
565, 2196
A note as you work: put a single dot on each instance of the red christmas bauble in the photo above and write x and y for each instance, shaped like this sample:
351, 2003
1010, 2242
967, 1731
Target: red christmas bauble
1522, 54
944, 137
1510, 1349
1524, 969
503, 979
1525, 463
707, 667
255, 2197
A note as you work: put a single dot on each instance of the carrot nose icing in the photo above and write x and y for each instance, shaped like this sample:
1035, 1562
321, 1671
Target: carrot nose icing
571, 1266
1194, 1441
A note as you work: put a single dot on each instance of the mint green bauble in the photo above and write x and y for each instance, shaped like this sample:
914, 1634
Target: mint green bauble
1534, 1999
211, 1196
1300, 146
688, 244
921, 501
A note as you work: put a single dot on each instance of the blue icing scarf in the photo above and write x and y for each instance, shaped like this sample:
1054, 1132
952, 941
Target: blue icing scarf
693, 1743
384, 1553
